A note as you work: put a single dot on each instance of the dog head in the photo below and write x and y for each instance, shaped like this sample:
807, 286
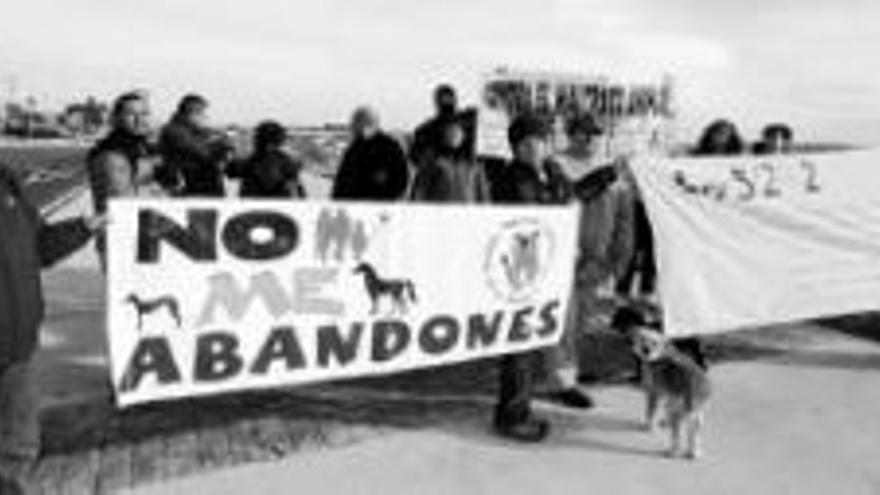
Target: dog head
648, 343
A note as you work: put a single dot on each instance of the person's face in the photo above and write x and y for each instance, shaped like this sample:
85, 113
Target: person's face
584, 142
446, 103
134, 117
198, 116
364, 127
533, 150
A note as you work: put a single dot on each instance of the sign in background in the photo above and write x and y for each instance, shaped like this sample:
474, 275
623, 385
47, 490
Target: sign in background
751, 241
637, 118
208, 297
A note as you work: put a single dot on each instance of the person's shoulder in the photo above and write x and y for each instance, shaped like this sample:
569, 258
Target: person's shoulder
290, 163
425, 126
108, 158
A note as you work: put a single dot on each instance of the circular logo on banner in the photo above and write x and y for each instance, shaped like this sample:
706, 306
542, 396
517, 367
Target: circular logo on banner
517, 259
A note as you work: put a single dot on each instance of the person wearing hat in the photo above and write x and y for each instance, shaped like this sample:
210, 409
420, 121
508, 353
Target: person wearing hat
533, 177
269, 172
527, 179
374, 166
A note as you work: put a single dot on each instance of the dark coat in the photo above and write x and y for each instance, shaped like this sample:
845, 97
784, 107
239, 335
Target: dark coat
273, 174
372, 169
193, 156
428, 136
520, 183
451, 178
27, 245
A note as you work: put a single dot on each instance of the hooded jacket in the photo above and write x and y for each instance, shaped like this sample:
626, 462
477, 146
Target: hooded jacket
27, 245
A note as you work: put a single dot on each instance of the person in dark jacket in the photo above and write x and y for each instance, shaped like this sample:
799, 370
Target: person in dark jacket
27, 244
269, 172
451, 174
428, 137
374, 167
193, 154
124, 163
528, 179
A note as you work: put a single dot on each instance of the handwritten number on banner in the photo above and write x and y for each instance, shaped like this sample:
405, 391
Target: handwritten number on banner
812, 176
762, 180
740, 175
771, 190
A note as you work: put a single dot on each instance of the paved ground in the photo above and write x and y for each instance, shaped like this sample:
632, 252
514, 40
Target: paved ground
795, 412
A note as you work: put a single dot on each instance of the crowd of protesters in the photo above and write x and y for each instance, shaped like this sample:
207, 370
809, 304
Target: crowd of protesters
190, 159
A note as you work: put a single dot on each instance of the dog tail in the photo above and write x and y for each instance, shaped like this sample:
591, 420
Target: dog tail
411, 289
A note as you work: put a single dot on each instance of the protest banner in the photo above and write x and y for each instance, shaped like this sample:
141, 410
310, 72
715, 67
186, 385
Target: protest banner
208, 297
636, 117
749, 241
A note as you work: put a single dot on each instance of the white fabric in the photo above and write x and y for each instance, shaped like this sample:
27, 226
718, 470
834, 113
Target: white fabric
453, 255
749, 241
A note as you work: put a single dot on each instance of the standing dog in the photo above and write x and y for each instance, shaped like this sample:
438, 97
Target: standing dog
149, 306
400, 292
672, 380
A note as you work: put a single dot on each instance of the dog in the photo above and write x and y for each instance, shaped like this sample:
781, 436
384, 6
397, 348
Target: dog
149, 306
673, 381
401, 292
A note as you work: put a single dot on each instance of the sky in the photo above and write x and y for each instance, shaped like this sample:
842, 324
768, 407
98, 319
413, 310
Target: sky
813, 63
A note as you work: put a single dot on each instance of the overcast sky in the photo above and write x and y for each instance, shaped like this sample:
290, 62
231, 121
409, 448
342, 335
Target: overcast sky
814, 63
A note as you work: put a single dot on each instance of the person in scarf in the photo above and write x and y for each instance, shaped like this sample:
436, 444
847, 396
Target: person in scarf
124, 163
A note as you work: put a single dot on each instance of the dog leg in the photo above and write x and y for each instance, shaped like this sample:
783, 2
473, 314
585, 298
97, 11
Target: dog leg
695, 425
651, 402
674, 437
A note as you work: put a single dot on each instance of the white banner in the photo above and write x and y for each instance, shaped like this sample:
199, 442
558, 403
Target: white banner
750, 240
209, 296
636, 117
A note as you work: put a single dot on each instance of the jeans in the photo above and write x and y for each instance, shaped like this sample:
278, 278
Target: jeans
19, 413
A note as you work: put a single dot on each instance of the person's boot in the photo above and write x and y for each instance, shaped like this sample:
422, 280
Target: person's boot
531, 430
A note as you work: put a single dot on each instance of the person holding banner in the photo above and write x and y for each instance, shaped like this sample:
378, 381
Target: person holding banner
27, 244
193, 153
374, 167
123, 163
528, 179
450, 174
604, 248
